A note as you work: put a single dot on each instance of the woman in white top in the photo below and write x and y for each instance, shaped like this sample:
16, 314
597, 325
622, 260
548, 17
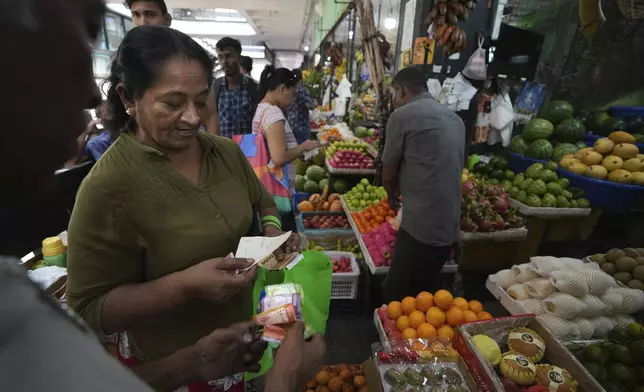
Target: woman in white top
276, 91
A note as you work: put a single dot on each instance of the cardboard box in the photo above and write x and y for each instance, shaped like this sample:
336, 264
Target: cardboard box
482, 370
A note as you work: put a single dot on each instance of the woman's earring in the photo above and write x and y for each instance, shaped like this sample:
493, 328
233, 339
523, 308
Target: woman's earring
129, 111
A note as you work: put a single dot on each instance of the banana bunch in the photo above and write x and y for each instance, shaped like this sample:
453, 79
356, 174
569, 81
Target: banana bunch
591, 16
451, 38
450, 11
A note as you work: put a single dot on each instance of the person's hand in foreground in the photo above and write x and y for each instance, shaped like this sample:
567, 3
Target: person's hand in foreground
217, 279
296, 361
228, 351
290, 246
224, 352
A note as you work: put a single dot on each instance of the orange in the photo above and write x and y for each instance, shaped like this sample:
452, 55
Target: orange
394, 310
475, 306
426, 331
469, 316
335, 384
443, 299
454, 316
322, 377
435, 316
424, 301
416, 318
402, 323
409, 333
408, 305
461, 303
446, 332
484, 316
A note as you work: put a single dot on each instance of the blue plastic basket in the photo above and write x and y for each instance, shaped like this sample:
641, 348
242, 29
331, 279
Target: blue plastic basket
606, 195
299, 197
626, 111
519, 163
320, 232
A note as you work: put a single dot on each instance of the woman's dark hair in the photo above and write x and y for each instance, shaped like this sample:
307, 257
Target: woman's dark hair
298, 74
272, 78
143, 51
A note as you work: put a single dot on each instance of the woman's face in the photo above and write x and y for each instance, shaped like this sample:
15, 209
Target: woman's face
287, 95
173, 109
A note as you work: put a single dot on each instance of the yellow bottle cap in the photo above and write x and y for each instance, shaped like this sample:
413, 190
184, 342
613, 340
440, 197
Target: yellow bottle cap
52, 246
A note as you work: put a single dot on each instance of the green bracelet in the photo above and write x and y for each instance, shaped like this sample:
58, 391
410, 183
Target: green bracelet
272, 218
271, 223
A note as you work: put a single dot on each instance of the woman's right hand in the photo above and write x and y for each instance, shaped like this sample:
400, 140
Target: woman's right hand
217, 279
310, 145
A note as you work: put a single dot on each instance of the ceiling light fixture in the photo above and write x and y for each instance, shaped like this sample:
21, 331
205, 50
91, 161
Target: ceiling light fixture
390, 23
306, 48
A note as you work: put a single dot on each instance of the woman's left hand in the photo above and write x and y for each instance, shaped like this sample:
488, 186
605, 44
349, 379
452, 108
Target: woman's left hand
290, 246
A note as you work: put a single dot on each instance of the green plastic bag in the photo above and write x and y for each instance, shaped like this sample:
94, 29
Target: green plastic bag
314, 274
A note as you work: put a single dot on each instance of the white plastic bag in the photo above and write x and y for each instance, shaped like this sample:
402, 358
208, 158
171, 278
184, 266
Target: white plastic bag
476, 69
343, 91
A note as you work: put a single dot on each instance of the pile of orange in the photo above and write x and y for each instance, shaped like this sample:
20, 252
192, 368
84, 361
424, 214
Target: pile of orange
373, 216
331, 135
341, 378
428, 316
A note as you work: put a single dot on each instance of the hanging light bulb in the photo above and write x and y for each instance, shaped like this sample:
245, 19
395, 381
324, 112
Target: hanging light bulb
390, 23
306, 48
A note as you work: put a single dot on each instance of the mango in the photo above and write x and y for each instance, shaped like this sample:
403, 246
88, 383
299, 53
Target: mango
578, 168
626, 150
638, 178
581, 153
612, 162
597, 171
604, 146
633, 165
620, 176
592, 158
621, 137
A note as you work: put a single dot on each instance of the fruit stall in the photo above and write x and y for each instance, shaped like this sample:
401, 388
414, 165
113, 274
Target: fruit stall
591, 305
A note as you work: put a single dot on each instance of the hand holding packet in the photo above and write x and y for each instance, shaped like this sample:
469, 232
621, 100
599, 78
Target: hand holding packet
279, 307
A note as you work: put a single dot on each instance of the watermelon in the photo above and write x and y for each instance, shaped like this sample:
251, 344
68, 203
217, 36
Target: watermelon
581, 144
557, 111
300, 167
570, 130
315, 173
597, 120
540, 149
311, 187
299, 183
519, 145
614, 124
538, 128
323, 182
563, 149
340, 186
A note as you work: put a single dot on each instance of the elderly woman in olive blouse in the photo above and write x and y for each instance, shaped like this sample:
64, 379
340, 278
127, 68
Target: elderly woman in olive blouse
157, 216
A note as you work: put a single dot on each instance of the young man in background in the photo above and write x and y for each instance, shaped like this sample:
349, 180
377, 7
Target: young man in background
234, 96
298, 112
422, 162
149, 12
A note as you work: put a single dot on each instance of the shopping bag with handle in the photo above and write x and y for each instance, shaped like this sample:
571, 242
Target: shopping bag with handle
314, 273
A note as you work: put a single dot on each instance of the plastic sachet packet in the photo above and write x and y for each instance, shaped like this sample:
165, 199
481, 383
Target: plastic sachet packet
279, 307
